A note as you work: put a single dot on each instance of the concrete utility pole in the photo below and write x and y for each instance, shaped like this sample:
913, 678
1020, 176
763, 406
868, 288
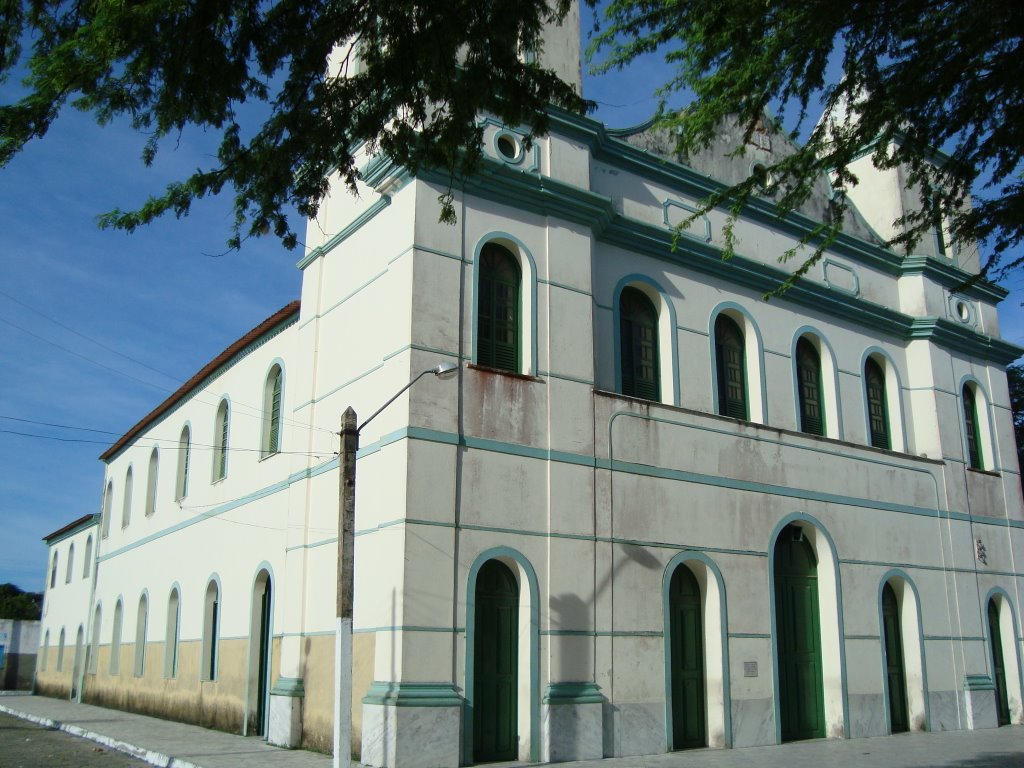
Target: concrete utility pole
343, 644
350, 428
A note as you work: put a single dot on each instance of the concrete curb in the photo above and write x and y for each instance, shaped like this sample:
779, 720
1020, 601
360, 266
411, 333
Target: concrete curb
153, 758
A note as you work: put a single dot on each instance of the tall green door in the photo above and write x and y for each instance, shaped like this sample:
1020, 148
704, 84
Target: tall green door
998, 668
687, 655
797, 623
263, 662
894, 668
495, 662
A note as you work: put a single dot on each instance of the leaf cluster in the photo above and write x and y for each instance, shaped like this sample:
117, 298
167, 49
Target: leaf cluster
19, 605
914, 77
406, 77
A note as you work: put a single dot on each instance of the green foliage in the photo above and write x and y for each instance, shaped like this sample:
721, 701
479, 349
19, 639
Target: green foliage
916, 75
415, 76
1015, 379
19, 605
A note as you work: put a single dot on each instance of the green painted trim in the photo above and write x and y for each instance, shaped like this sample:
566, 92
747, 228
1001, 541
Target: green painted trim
338, 388
346, 232
289, 686
563, 377
557, 694
750, 635
873, 638
321, 633
955, 639
93, 521
413, 695
565, 287
403, 628
314, 545
345, 298
979, 683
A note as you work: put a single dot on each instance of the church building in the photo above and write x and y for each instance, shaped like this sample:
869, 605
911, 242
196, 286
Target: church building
653, 511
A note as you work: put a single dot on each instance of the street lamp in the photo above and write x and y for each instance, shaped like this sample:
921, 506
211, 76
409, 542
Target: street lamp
350, 429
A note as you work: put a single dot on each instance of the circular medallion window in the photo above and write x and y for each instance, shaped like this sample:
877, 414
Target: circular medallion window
963, 312
508, 146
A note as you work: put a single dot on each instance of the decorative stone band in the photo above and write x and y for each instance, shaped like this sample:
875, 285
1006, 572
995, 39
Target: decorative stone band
289, 686
979, 683
573, 693
413, 695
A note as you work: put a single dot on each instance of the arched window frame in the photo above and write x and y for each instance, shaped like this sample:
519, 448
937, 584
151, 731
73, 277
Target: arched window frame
53, 570
527, 347
70, 569
211, 630
892, 400
172, 637
115, 638
984, 444
46, 650
667, 345
126, 502
141, 627
757, 406
151, 481
86, 564
221, 430
184, 458
273, 409
95, 650
829, 381
108, 509
60, 651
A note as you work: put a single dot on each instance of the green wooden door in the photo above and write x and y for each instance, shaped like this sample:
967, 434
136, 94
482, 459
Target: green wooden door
998, 668
263, 662
687, 674
801, 698
894, 668
495, 663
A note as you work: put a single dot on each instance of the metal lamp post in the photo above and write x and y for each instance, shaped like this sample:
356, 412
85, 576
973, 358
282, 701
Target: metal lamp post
350, 429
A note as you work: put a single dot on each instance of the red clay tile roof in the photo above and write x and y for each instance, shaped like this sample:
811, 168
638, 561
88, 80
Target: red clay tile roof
70, 526
285, 313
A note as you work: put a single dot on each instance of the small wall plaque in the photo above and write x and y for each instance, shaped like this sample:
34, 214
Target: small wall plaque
750, 669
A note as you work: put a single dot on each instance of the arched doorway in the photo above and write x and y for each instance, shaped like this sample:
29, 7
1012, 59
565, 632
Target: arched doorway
998, 665
495, 664
259, 654
798, 626
686, 635
895, 669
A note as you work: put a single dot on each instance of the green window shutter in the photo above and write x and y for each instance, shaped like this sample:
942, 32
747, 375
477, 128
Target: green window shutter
274, 413
222, 438
498, 309
878, 410
732, 374
638, 340
808, 369
971, 426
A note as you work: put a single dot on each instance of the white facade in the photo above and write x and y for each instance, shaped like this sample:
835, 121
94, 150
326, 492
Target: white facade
590, 499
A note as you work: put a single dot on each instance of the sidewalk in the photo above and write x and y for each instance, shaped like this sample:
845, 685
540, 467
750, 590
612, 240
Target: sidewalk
174, 745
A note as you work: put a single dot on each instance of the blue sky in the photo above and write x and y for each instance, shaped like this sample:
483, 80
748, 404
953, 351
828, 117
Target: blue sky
97, 327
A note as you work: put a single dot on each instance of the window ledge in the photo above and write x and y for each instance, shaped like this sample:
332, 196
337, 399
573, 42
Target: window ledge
264, 457
986, 472
503, 372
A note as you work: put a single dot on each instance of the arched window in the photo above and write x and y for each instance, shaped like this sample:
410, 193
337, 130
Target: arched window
115, 640
126, 506
184, 451
88, 558
972, 427
638, 337
95, 652
172, 635
140, 636
808, 373
46, 649
878, 410
498, 309
732, 373
211, 620
60, 651
272, 395
154, 472
220, 441
53, 571
69, 571
108, 504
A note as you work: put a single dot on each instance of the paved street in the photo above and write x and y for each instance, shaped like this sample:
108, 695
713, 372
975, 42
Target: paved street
164, 743
27, 745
